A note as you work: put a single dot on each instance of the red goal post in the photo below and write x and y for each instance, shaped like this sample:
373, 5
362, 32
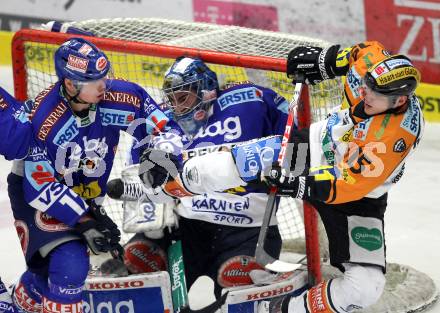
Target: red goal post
32, 54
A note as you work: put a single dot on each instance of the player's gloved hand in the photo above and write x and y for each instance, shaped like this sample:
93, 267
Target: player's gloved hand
157, 167
287, 184
315, 63
100, 232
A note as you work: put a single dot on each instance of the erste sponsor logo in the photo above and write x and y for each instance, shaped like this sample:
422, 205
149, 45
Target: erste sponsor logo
67, 132
115, 117
239, 96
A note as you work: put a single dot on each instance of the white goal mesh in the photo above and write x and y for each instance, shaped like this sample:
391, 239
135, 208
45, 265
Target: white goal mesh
148, 71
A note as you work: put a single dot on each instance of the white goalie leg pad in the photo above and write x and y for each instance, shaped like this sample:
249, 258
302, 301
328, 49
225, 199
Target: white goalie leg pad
148, 217
236, 271
211, 172
247, 298
360, 287
128, 294
144, 256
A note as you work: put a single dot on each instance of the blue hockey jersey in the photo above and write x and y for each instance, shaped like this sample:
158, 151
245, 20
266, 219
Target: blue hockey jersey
70, 158
16, 130
240, 113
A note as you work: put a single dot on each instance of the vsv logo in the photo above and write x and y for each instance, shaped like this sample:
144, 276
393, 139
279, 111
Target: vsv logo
230, 128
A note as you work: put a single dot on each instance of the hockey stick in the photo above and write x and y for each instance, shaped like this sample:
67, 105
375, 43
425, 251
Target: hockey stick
176, 268
179, 291
261, 255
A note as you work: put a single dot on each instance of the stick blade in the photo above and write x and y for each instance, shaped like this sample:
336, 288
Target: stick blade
272, 264
281, 266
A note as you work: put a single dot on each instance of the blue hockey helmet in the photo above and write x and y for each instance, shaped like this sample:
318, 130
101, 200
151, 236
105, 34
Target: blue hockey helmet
190, 87
80, 60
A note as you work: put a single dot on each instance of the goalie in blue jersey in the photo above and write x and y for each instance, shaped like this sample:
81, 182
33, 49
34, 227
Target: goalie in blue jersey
219, 231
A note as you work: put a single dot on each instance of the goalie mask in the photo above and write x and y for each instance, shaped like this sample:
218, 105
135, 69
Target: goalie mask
394, 76
189, 88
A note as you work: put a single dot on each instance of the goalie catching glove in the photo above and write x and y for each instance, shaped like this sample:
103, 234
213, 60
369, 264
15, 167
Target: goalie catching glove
144, 210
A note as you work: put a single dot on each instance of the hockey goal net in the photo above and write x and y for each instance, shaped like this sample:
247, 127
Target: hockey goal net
140, 50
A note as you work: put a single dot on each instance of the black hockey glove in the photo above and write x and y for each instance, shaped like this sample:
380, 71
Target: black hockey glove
288, 185
157, 167
315, 63
100, 232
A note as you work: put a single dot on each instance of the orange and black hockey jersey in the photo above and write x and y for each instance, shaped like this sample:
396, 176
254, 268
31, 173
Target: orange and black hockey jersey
353, 155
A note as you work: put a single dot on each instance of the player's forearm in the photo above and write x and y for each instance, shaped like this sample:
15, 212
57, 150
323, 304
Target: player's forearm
58, 201
212, 172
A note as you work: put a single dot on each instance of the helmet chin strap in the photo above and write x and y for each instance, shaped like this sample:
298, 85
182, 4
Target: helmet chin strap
76, 99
